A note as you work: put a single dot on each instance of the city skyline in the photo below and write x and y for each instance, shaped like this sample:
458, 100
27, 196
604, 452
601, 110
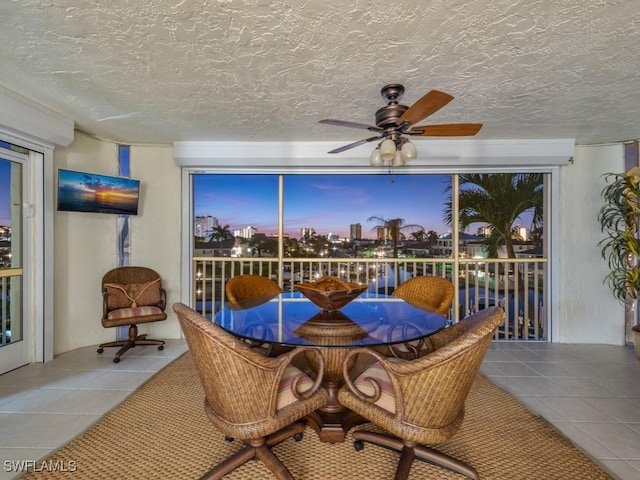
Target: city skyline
327, 203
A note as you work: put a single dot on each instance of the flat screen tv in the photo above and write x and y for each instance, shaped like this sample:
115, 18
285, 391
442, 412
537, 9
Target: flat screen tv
89, 192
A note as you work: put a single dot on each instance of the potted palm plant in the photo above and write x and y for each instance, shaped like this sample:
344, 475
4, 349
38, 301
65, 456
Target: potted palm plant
619, 221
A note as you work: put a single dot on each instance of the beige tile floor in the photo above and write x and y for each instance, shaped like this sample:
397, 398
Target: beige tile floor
43, 406
591, 393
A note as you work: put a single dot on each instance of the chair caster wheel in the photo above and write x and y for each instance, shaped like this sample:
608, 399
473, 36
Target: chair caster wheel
297, 437
160, 347
358, 445
227, 438
100, 350
116, 360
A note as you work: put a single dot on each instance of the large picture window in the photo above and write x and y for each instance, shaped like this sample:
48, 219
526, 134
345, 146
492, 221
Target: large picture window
485, 232
499, 215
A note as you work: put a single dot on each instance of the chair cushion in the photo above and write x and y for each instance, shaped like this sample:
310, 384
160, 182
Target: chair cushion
133, 312
133, 294
377, 372
285, 392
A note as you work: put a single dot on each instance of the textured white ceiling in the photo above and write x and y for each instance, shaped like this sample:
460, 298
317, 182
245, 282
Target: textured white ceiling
157, 71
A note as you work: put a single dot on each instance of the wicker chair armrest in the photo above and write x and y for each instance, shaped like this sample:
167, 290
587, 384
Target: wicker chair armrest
386, 363
447, 346
105, 303
163, 299
273, 369
304, 395
414, 347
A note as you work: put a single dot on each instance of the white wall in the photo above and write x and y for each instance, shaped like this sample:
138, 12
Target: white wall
84, 248
155, 231
85, 244
588, 311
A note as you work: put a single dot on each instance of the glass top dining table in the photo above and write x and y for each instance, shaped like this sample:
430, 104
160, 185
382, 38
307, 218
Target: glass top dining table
369, 320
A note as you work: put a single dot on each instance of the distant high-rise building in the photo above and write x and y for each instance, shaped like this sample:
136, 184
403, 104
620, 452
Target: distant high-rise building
484, 231
246, 232
383, 234
5, 233
355, 230
523, 232
306, 233
203, 226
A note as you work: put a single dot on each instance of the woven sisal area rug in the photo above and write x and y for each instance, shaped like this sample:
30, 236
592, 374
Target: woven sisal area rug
162, 432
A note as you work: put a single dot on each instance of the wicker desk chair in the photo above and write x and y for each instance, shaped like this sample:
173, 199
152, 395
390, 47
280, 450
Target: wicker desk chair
130, 296
248, 396
246, 291
421, 401
427, 292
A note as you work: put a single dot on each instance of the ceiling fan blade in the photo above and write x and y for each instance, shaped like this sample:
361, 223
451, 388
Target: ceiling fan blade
354, 144
343, 123
429, 104
446, 130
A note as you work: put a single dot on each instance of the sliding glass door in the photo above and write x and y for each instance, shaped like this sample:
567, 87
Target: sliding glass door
14, 332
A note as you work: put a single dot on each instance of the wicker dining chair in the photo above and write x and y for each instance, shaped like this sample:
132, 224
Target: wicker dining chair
421, 401
427, 292
248, 396
247, 291
131, 296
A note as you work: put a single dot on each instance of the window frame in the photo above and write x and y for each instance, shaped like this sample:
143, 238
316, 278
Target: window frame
551, 227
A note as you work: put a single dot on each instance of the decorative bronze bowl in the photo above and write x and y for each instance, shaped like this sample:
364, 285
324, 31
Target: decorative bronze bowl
330, 293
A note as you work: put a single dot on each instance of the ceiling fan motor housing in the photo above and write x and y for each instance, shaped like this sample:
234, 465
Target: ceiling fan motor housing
386, 116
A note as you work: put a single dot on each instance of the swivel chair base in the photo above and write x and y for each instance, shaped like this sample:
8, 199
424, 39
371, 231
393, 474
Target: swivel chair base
133, 341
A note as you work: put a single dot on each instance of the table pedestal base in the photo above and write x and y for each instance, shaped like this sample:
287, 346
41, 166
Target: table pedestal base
332, 427
333, 421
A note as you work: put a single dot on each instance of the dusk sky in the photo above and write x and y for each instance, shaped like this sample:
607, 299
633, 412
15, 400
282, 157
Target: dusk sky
327, 203
5, 214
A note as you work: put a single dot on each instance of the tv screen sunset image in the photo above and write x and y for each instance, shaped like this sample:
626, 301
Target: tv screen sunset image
88, 192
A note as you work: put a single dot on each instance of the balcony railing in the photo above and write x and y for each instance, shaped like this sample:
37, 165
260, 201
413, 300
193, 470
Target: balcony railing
517, 285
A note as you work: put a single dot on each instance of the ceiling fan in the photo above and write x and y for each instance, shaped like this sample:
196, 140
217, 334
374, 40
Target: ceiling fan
395, 121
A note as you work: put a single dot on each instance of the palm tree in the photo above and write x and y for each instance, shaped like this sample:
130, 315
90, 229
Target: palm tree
427, 238
419, 236
260, 243
498, 199
432, 237
395, 227
220, 233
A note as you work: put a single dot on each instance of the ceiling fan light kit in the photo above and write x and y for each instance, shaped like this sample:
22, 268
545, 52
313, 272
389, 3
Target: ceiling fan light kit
395, 121
376, 161
408, 151
387, 150
398, 161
